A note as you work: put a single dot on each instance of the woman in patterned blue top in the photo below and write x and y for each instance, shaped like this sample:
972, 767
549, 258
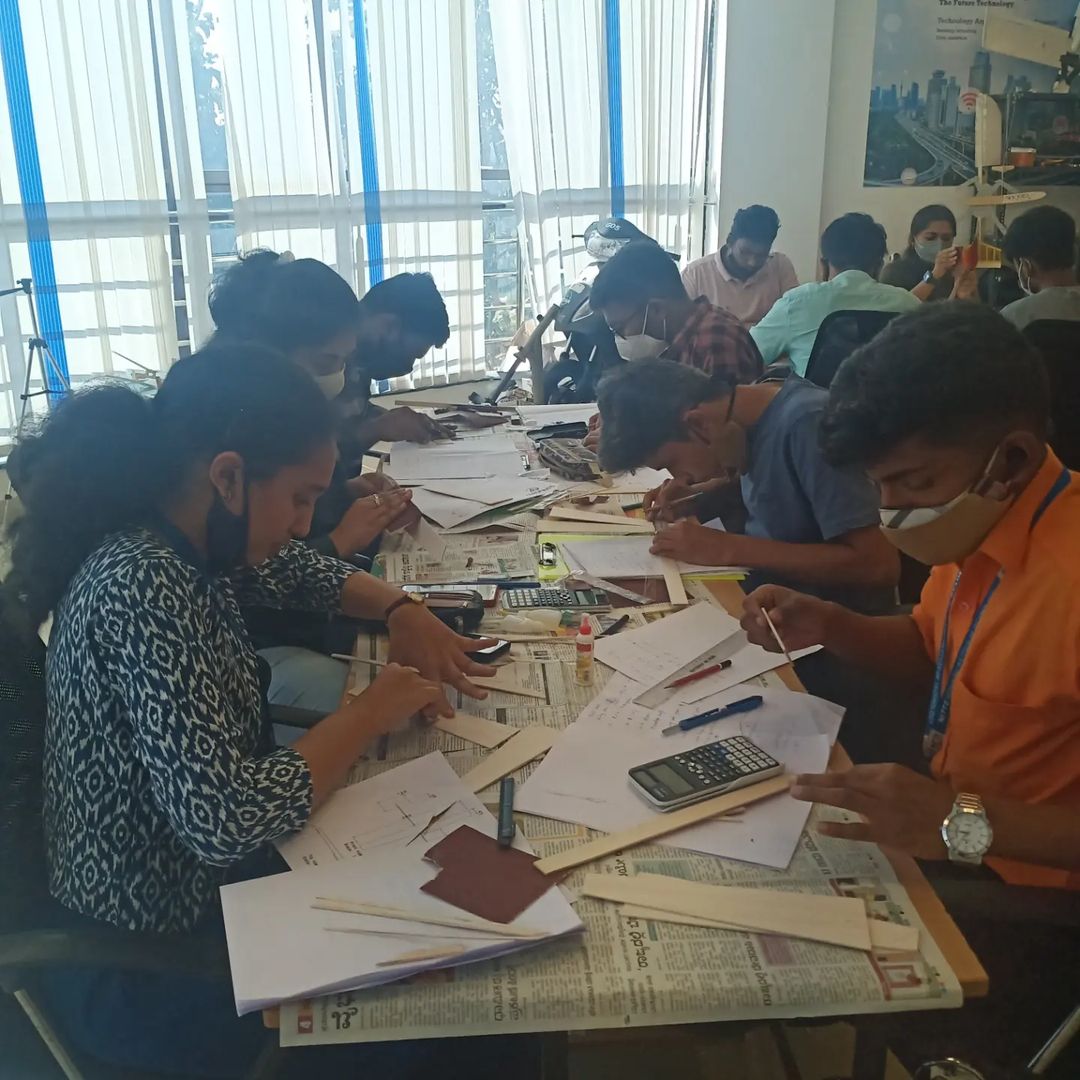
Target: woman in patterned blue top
146, 524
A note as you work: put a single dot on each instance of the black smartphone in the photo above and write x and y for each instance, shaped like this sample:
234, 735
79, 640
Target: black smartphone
485, 656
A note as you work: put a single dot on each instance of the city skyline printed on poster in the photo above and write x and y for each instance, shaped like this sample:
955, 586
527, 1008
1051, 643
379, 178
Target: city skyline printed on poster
929, 65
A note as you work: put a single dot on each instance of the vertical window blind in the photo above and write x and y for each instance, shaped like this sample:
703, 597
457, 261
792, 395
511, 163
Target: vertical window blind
144, 143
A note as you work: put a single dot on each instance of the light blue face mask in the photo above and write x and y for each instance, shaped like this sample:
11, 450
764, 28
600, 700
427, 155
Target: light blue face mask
929, 250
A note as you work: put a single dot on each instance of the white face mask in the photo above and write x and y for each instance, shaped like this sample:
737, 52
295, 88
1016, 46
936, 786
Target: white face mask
641, 346
929, 250
331, 385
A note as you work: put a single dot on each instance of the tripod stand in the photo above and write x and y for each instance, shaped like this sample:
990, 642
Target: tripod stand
37, 348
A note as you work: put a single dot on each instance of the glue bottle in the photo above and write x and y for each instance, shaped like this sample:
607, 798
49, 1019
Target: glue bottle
583, 667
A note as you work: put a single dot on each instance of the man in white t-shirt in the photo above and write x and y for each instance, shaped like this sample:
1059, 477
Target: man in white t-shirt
1041, 244
745, 277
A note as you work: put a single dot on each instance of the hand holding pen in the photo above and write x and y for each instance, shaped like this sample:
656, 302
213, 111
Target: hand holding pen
798, 621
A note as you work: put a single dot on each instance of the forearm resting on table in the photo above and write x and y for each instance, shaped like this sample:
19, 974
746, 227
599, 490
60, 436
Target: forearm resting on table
1038, 833
856, 559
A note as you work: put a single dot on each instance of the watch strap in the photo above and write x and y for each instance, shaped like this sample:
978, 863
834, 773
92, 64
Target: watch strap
403, 600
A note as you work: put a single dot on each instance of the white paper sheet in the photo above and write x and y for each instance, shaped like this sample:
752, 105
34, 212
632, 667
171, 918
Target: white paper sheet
447, 510
495, 455
630, 557
494, 491
584, 777
639, 481
747, 662
539, 415
389, 810
656, 651
280, 948
419, 536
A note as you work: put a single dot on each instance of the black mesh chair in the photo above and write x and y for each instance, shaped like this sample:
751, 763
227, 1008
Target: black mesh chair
35, 933
840, 334
1059, 342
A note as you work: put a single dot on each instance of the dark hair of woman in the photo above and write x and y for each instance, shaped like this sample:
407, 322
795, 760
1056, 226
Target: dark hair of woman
107, 458
282, 302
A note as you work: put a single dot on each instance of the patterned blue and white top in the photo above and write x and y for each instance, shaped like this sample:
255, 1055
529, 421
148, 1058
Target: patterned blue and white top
159, 768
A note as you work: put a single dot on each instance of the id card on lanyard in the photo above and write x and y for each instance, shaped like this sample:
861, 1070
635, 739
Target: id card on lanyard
937, 716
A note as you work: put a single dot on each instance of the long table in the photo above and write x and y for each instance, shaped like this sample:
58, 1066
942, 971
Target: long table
442, 1003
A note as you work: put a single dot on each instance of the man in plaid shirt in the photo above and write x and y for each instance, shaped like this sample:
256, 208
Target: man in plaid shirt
642, 297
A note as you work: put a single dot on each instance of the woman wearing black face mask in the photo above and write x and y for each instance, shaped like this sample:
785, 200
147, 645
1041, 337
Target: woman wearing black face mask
146, 524
929, 263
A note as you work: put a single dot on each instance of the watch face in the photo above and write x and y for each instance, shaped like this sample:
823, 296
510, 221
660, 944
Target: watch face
969, 834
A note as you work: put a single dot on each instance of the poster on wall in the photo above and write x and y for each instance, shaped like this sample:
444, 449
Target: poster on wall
929, 66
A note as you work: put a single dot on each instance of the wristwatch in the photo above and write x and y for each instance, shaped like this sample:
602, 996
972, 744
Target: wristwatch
966, 831
403, 600
928, 278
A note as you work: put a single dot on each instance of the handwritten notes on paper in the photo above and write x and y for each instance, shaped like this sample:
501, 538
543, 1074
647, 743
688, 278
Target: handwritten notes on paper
583, 779
660, 649
387, 811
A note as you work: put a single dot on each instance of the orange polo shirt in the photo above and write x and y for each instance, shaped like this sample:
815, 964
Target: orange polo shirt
1014, 725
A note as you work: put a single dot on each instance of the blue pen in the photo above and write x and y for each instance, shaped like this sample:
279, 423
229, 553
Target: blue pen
505, 834
747, 704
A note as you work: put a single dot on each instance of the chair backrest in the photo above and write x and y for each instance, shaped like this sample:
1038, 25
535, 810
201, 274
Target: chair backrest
23, 882
1059, 342
840, 334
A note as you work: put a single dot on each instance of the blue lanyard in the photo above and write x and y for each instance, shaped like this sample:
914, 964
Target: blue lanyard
937, 717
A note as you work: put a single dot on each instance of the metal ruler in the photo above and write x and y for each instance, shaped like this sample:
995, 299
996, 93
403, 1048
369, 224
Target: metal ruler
607, 586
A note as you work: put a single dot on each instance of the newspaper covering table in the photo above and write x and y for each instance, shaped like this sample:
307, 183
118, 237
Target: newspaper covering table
627, 972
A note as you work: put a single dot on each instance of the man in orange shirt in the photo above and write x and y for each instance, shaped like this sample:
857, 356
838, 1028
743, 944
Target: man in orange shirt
947, 411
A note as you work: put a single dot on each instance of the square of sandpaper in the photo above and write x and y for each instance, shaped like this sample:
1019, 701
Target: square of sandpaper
478, 876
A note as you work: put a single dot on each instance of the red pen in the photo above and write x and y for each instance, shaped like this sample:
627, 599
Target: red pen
712, 669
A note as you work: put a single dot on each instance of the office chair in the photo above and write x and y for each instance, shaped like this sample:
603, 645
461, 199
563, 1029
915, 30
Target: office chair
840, 334
36, 935
1059, 342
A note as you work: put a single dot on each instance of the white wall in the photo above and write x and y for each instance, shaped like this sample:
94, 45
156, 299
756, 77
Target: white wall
776, 103
845, 138
795, 112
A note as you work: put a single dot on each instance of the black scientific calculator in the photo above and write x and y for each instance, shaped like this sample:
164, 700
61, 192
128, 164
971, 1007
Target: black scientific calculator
560, 599
702, 772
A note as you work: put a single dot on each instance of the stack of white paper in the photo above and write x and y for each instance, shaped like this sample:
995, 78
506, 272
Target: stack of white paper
281, 948
584, 777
